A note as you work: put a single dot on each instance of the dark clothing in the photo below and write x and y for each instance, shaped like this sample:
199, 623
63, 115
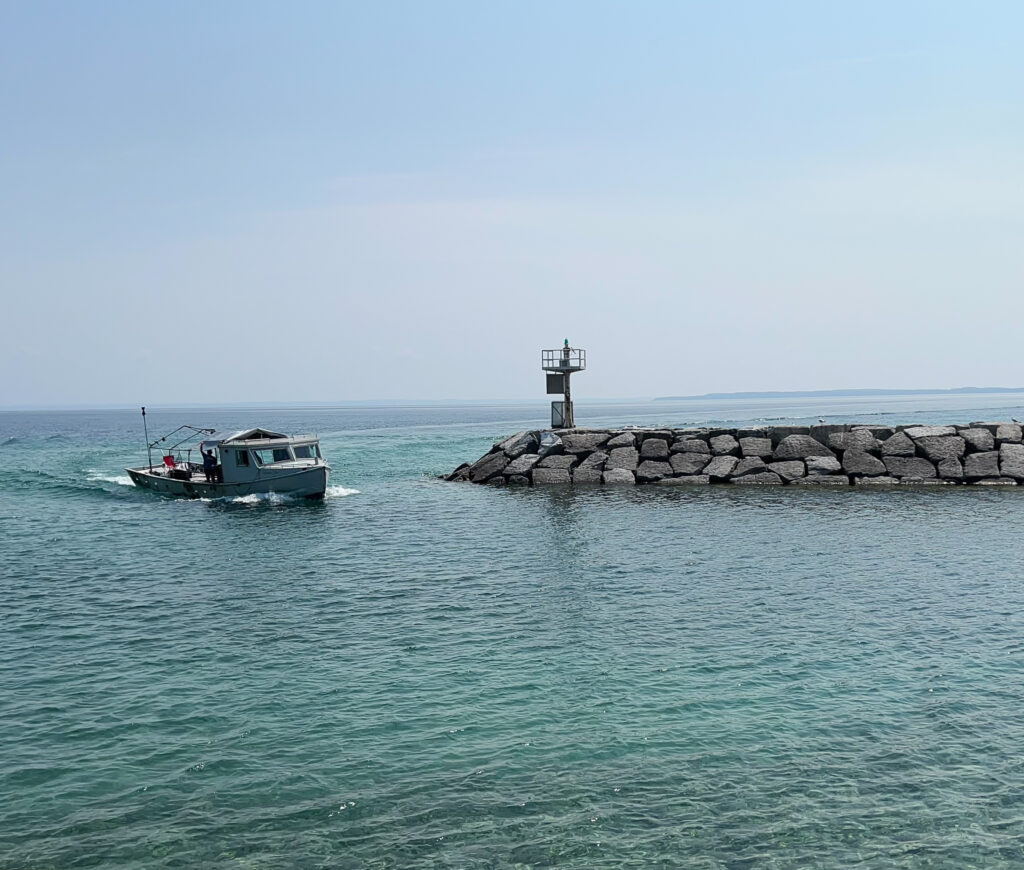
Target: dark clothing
210, 467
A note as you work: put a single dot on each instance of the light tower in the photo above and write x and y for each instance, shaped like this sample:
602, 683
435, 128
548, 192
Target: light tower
560, 364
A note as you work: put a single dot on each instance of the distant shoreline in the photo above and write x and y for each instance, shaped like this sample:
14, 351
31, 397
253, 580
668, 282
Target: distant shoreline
364, 404
820, 394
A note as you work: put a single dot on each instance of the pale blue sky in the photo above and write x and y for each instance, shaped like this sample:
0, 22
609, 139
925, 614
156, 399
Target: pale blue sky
221, 201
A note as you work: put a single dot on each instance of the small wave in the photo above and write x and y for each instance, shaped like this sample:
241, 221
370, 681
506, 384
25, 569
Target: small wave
99, 477
276, 498
262, 498
13, 439
339, 492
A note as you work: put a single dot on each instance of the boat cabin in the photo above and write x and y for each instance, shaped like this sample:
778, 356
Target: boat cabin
253, 453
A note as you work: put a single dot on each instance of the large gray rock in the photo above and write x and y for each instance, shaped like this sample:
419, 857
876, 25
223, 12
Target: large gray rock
520, 443
691, 445
880, 432
460, 474
519, 480
823, 431
597, 459
522, 464
780, 433
910, 466
978, 439
858, 439
663, 434
856, 461
1008, 433
823, 480
899, 444
625, 439
753, 446
725, 445
654, 448
589, 475
622, 457
619, 477
938, 447
817, 465
550, 444
562, 460
951, 469
978, 465
721, 466
788, 469
800, 447
750, 465
1011, 460
650, 470
550, 476
487, 467
688, 463
916, 432
992, 427
760, 478
583, 442
685, 480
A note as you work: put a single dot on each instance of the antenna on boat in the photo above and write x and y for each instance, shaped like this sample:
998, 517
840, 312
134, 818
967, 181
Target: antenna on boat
145, 429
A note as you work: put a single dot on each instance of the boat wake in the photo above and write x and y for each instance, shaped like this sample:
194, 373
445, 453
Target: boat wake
99, 477
271, 498
339, 492
277, 498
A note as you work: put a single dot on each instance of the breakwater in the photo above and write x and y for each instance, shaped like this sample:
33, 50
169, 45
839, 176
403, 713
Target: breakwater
824, 455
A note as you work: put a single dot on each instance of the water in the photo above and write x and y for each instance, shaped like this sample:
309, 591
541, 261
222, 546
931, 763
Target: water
420, 674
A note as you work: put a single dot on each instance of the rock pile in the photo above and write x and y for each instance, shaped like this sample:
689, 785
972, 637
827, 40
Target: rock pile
825, 455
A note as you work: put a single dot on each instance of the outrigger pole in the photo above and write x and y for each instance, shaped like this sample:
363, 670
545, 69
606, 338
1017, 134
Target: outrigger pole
145, 429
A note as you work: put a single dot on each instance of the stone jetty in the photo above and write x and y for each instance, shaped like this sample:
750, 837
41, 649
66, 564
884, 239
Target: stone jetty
825, 455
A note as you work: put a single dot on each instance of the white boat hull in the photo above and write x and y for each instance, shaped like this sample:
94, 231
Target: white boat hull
298, 483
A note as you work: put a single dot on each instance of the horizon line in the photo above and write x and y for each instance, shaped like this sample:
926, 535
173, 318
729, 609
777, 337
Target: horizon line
358, 403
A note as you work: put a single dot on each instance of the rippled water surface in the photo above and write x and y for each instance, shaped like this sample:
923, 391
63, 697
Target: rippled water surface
421, 674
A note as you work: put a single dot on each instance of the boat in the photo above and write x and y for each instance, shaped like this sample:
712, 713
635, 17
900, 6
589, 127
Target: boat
250, 462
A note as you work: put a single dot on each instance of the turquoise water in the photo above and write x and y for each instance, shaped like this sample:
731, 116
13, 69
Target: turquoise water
413, 673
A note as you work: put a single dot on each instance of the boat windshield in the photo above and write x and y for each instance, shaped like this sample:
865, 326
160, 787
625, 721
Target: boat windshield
268, 456
307, 451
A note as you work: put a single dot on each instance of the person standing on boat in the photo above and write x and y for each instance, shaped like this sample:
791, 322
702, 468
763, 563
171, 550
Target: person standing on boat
210, 466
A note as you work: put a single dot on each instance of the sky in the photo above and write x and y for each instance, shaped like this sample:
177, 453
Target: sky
329, 201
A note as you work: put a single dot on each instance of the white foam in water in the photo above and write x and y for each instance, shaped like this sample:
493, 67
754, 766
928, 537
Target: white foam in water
339, 492
120, 479
262, 498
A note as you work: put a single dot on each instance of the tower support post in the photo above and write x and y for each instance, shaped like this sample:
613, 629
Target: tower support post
569, 421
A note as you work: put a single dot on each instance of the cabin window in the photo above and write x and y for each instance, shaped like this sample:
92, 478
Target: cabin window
242, 458
305, 451
267, 456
